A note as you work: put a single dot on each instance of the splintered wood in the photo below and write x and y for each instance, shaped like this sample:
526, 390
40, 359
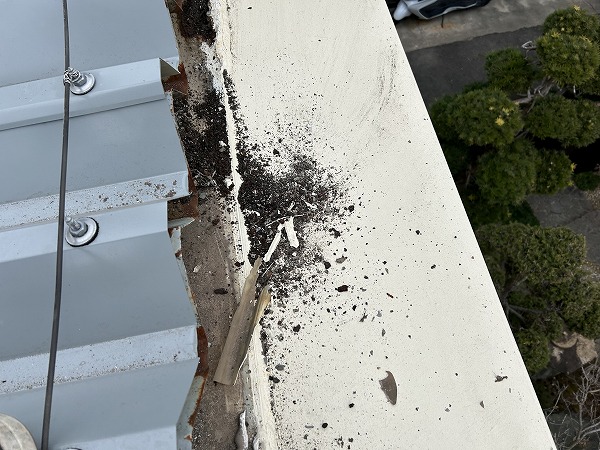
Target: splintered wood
245, 319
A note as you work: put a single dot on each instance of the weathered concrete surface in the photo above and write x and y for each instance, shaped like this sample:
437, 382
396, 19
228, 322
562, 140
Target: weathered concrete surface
412, 296
570, 208
498, 16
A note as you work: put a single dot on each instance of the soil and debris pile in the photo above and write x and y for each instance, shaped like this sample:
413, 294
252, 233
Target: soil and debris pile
196, 21
282, 179
207, 150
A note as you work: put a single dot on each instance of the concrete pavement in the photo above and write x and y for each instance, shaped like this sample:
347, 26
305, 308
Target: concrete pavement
449, 52
498, 16
447, 69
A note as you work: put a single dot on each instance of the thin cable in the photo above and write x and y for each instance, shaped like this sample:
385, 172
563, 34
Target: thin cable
59, 244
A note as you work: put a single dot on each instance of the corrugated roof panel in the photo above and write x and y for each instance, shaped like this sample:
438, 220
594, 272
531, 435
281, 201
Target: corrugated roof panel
117, 86
117, 158
125, 283
102, 34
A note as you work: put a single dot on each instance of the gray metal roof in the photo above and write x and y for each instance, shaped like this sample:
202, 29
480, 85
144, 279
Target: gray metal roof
123, 147
102, 34
127, 342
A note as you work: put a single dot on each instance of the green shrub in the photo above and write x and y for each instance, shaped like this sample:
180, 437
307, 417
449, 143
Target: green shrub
581, 310
554, 172
574, 22
591, 86
553, 117
533, 345
485, 117
568, 60
588, 125
509, 71
507, 176
586, 181
440, 118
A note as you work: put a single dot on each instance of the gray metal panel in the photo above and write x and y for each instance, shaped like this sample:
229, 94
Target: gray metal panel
102, 33
80, 363
137, 409
118, 286
116, 86
123, 145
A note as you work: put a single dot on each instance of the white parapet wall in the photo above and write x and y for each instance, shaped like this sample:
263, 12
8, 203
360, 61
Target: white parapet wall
388, 282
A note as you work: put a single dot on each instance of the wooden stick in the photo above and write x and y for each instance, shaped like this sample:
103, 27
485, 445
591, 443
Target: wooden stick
246, 316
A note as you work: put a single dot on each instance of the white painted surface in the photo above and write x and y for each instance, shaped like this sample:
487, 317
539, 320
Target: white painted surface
333, 77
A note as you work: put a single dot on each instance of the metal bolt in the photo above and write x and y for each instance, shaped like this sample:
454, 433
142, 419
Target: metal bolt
77, 228
81, 231
79, 83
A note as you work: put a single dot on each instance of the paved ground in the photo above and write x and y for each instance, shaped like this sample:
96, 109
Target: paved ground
572, 209
448, 53
447, 69
498, 16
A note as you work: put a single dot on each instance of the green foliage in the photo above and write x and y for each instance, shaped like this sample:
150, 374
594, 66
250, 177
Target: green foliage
509, 71
584, 316
579, 299
507, 176
538, 273
457, 156
499, 245
554, 172
574, 123
523, 214
578, 23
551, 255
552, 324
586, 181
553, 117
533, 345
574, 22
440, 118
539, 255
592, 86
484, 117
568, 60
588, 125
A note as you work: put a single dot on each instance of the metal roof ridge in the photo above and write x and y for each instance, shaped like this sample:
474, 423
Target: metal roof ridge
41, 101
102, 358
92, 200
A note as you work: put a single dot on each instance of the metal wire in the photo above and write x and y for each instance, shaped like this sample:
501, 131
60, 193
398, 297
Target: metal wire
59, 244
